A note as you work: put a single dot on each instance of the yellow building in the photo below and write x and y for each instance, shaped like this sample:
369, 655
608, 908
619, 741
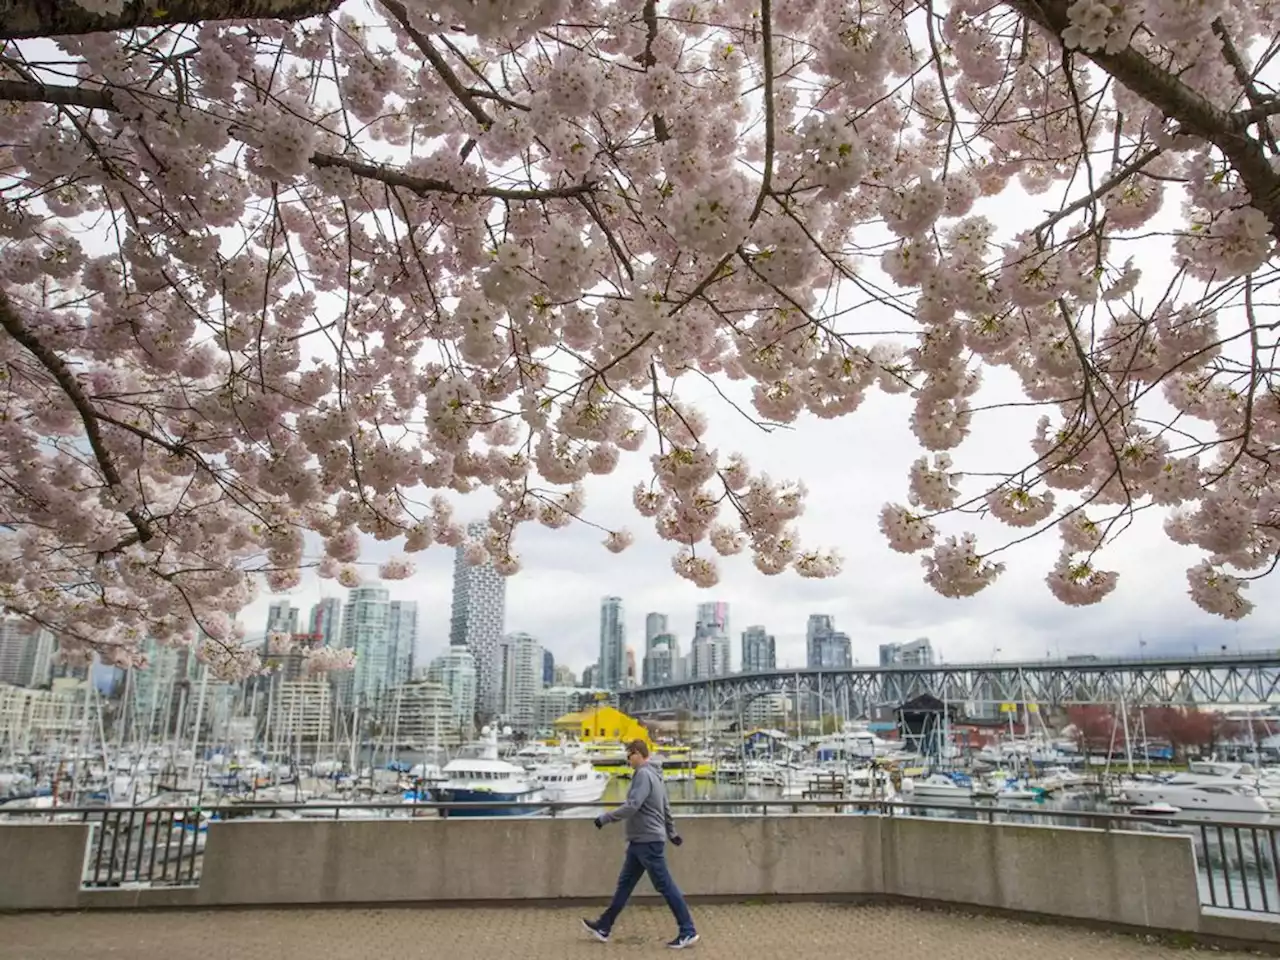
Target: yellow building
602, 724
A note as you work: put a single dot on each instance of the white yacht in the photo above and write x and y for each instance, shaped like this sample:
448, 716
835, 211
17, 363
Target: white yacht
477, 775
1196, 791
571, 781
938, 786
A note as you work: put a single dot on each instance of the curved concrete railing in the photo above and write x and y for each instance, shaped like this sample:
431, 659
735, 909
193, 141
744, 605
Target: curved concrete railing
1107, 876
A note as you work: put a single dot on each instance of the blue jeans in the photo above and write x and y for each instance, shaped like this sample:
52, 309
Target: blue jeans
650, 858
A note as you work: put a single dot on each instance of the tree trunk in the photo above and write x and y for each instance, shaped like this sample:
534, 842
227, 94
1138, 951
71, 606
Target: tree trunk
25, 19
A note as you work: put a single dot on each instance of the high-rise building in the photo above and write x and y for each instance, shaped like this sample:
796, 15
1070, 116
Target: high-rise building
917, 653
521, 680
713, 618
758, 650
37, 667
655, 625
591, 676
835, 651
659, 666
678, 662
325, 622
302, 710
36, 716
156, 696
712, 625
548, 668
402, 632
820, 625
365, 631
632, 677
26, 653
767, 711
455, 670
553, 703
478, 620
613, 645
282, 617
564, 676
420, 714
708, 657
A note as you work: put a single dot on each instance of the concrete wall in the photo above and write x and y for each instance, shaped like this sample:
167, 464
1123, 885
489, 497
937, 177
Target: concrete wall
41, 865
1138, 879
527, 859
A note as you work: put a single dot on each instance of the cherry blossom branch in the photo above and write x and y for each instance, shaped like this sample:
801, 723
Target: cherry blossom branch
28, 19
425, 185
438, 63
1113, 181
66, 380
1255, 96
770, 137
104, 99
1197, 115
650, 14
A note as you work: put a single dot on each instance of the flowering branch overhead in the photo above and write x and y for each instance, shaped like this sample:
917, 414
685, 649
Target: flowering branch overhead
271, 269
103, 99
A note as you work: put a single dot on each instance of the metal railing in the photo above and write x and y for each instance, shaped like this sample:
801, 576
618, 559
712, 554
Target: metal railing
1236, 861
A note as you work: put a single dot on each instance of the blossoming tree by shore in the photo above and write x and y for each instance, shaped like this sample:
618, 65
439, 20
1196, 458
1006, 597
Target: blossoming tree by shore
271, 267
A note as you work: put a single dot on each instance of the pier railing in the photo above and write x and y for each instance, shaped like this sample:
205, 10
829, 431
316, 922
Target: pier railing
158, 846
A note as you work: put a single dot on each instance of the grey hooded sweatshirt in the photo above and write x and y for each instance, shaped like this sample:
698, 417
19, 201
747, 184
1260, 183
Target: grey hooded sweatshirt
647, 811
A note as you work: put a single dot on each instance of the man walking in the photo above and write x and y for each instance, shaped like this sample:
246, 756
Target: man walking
647, 813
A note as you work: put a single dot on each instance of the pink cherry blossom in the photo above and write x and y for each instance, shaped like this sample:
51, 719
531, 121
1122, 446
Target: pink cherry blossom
618, 540
906, 532
488, 248
956, 569
1077, 583
328, 659
397, 568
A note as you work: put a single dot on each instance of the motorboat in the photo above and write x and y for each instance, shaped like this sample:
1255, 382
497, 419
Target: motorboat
571, 781
1061, 778
1196, 791
1156, 810
938, 786
477, 775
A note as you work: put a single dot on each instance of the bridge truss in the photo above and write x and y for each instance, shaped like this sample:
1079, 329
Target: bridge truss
1243, 679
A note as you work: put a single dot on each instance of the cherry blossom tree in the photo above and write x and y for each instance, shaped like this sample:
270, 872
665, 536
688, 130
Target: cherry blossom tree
302, 277
1094, 726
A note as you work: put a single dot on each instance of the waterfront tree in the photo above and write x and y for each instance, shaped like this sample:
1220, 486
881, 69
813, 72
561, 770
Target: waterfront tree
283, 272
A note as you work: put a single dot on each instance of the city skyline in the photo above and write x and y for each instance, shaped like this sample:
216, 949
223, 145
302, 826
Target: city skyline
790, 637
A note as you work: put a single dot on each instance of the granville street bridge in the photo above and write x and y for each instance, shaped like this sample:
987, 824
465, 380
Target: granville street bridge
1240, 679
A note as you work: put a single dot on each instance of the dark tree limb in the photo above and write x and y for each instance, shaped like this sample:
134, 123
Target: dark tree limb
26, 19
13, 325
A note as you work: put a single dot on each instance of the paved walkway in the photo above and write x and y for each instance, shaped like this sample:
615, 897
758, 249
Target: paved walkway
733, 932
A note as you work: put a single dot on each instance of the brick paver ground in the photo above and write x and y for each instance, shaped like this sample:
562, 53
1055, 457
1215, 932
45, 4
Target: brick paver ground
729, 932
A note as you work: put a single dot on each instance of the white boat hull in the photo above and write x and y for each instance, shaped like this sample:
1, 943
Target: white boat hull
1189, 799
577, 791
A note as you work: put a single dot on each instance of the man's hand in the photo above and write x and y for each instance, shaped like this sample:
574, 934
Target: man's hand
676, 840
600, 821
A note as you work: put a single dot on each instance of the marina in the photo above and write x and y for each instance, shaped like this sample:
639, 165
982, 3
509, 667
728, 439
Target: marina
582, 761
